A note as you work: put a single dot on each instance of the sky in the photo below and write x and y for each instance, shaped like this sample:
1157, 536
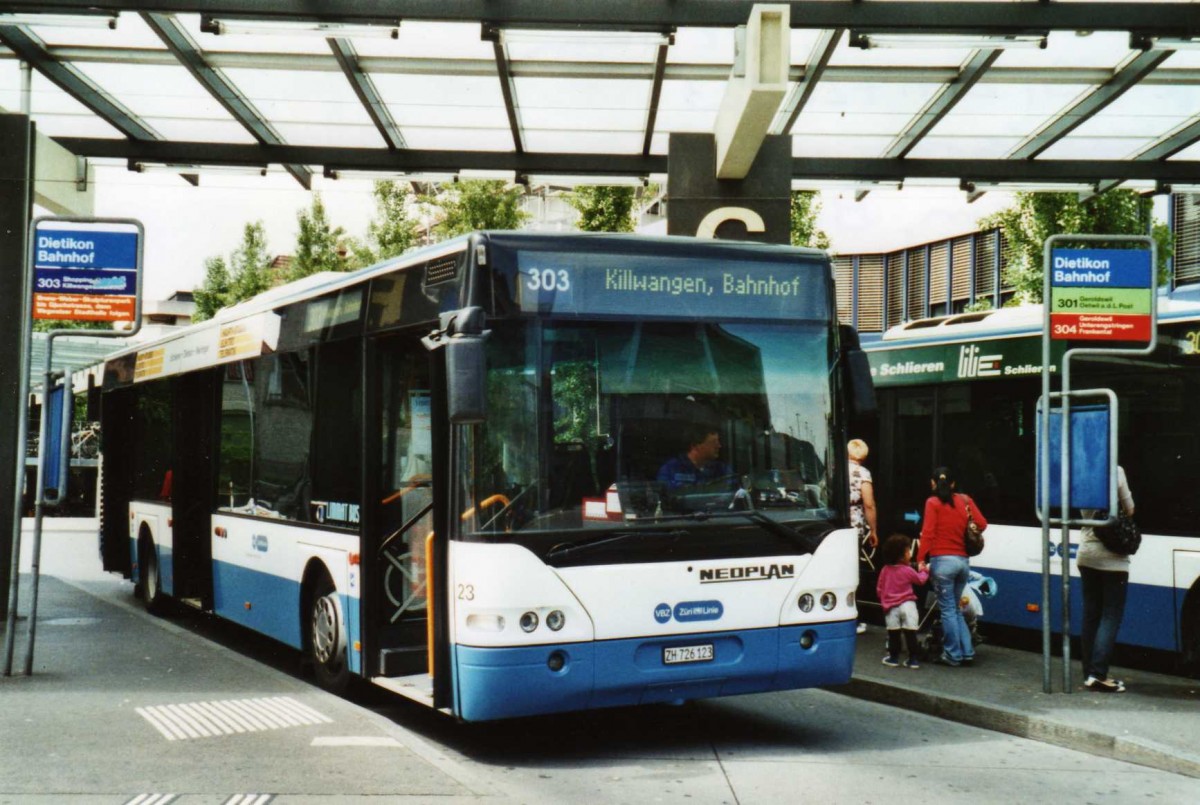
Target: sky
185, 224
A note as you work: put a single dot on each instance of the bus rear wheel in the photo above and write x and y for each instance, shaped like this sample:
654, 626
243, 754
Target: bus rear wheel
327, 637
150, 585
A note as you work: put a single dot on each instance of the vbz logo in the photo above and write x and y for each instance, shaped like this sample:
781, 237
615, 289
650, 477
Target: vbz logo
1056, 549
662, 613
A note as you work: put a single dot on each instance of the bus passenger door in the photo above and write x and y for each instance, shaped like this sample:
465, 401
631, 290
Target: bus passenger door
189, 484
400, 516
907, 428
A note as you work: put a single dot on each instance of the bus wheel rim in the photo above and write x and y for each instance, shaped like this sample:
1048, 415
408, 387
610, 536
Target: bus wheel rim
326, 629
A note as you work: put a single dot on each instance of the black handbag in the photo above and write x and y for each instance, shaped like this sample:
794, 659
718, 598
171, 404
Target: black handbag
972, 536
1121, 536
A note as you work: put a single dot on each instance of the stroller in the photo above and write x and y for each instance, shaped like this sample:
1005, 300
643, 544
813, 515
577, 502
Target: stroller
979, 587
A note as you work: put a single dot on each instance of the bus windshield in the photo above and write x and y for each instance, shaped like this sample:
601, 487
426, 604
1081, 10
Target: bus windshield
612, 424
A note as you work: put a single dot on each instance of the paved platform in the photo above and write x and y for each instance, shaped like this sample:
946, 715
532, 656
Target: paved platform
1155, 723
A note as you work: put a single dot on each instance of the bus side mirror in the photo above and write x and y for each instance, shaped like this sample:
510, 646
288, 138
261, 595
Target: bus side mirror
859, 384
466, 379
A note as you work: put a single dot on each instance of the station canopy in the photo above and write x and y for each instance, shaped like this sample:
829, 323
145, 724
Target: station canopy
970, 95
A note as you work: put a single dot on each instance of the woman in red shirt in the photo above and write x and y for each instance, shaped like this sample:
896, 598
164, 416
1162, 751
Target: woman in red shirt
942, 530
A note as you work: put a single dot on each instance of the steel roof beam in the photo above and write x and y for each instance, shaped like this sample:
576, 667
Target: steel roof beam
239, 107
71, 81
660, 70
508, 86
1164, 18
818, 62
942, 102
821, 168
368, 96
1125, 78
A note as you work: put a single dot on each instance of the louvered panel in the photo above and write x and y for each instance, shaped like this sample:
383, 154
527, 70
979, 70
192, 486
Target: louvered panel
939, 260
895, 289
915, 304
843, 277
985, 264
960, 287
1006, 254
1187, 238
870, 294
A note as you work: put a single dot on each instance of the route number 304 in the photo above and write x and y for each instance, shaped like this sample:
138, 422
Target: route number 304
548, 279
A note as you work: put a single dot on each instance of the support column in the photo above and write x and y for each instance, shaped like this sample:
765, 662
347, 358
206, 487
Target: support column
16, 168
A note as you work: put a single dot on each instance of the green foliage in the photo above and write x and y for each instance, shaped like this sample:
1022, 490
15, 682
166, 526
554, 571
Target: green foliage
574, 393
980, 304
475, 204
393, 231
604, 208
805, 206
1036, 216
49, 325
244, 275
317, 243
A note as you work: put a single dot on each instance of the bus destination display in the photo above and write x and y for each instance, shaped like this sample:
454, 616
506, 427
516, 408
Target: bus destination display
668, 286
1100, 294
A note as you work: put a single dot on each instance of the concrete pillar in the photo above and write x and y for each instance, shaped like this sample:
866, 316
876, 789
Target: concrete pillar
16, 165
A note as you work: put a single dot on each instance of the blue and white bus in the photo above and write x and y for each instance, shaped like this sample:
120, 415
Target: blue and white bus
441, 473
961, 390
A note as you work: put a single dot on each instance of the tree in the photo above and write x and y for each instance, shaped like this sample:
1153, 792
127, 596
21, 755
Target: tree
476, 204
215, 292
805, 206
248, 275
1036, 216
393, 230
317, 243
604, 208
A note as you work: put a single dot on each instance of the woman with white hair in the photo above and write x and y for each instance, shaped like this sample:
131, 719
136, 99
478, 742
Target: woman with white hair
862, 499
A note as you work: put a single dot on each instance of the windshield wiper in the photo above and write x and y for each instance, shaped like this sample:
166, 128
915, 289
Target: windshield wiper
567, 548
805, 540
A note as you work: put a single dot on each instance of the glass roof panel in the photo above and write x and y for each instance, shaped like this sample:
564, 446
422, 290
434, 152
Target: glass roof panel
204, 131
535, 117
339, 134
846, 56
1068, 49
1007, 109
599, 46
1076, 147
1183, 58
976, 146
850, 145
10, 85
155, 90
131, 32
568, 142
442, 101
1189, 153
623, 101
436, 138
292, 96
702, 46
250, 43
689, 105
1144, 111
862, 109
430, 40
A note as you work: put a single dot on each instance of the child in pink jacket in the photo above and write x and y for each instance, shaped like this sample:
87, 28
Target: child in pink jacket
895, 589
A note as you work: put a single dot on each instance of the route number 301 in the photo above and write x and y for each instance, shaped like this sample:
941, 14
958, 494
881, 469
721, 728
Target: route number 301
547, 279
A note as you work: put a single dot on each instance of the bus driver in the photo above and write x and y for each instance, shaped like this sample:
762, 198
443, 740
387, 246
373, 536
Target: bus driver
700, 464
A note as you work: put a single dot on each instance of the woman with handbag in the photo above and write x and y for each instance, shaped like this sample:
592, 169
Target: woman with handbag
1104, 575
944, 544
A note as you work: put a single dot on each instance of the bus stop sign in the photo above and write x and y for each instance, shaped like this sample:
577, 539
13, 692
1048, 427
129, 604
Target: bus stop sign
85, 270
1101, 295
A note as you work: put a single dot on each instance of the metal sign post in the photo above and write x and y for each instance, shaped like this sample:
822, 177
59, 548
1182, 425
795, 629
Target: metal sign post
79, 269
1088, 295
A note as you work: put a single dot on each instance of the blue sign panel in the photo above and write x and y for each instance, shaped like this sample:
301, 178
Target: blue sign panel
698, 611
53, 449
1100, 268
1089, 457
85, 271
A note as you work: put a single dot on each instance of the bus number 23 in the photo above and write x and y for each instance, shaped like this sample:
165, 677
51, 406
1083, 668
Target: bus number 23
466, 592
547, 279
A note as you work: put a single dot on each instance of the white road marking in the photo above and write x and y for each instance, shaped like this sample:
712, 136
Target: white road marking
151, 799
249, 799
229, 717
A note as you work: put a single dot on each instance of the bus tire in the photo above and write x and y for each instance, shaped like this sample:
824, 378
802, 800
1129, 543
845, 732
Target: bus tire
150, 578
325, 635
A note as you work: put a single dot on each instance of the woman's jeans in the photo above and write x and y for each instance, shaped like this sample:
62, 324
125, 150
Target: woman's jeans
949, 580
1103, 607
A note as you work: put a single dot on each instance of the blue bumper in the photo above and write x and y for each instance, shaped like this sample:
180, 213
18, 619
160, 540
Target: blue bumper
493, 683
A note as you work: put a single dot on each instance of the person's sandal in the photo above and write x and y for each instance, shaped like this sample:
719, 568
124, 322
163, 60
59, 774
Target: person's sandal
1104, 685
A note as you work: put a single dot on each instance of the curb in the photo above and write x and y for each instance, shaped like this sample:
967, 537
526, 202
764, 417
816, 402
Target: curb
998, 718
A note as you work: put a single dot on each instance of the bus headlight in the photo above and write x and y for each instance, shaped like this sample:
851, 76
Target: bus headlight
828, 601
485, 623
806, 602
556, 620
529, 621
850, 599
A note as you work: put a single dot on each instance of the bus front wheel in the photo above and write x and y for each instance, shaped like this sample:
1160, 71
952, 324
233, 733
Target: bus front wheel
327, 637
1191, 634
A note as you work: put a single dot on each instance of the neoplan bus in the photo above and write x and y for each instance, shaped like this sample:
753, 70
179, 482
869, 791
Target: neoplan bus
961, 390
441, 473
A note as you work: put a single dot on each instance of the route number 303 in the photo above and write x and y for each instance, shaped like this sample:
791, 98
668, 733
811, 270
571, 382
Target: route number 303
547, 279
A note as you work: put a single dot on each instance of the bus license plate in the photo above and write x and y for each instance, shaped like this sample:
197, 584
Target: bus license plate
678, 654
